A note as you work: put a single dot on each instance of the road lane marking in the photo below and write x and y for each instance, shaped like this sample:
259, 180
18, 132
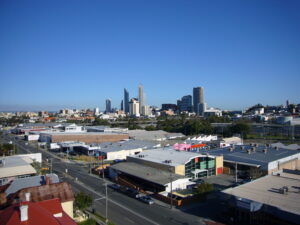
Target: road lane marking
116, 203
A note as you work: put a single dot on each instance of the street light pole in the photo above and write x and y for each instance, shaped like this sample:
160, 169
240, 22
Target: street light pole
171, 179
106, 200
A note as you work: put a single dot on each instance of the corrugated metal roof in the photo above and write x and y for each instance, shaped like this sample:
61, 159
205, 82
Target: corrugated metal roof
16, 166
175, 158
266, 190
258, 157
26, 182
154, 175
125, 145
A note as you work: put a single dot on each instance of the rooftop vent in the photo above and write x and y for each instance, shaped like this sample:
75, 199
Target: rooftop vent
249, 151
242, 147
284, 190
2, 162
268, 145
141, 156
168, 161
265, 151
276, 148
231, 149
253, 149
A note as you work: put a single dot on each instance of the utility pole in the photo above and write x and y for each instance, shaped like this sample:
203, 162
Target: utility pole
171, 179
235, 172
105, 184
51, 165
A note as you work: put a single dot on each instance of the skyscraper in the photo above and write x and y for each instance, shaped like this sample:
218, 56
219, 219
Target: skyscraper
198, 100
122, 105
134, 109
141, 97
185, 104
108, 106
126, 101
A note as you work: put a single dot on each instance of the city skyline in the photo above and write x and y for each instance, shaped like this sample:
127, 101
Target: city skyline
57, 55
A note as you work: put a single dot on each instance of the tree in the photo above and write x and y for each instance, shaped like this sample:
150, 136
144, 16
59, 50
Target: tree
82, 201
205, 188
100, 122
6, 149
150, 127
241, 128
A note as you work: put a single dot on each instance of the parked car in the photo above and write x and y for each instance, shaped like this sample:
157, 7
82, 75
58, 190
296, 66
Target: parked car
114, 186
146, 199
133, 193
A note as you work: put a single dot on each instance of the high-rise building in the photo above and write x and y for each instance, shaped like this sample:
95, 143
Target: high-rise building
167, 106
198, 100
96, 111
134, 107
126, 100
146, 111
185, 104
141, 97
108, 106
122, 105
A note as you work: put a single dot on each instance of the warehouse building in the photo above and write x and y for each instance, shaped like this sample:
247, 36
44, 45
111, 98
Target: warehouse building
147, 178
256, 160
273, 199
155, 169
120, 150
87, 137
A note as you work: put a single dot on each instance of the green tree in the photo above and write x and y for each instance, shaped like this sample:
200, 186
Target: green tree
98, 122
150, 127
241, 128
88, 222
205, 188
7, 149
82, 201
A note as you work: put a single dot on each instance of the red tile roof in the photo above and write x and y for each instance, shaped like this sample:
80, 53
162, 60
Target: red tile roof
39, 213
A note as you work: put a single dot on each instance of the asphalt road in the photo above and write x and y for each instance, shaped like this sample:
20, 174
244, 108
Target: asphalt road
122, 209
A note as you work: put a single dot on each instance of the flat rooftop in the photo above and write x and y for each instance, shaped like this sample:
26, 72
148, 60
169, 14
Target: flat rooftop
125, 145
266, 190
81, 133
257, 157
146, 172
161, 154
153, 135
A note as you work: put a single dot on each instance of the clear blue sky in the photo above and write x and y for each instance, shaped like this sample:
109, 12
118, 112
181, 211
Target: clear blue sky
78, 53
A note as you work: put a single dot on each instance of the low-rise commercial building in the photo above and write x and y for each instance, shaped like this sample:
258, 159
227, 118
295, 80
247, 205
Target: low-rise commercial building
273, 199
147, 177
256, 160
87, 137
188, 164
120, 150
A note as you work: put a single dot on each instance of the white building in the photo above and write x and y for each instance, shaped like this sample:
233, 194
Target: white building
97, 111
134, 107
146, 111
